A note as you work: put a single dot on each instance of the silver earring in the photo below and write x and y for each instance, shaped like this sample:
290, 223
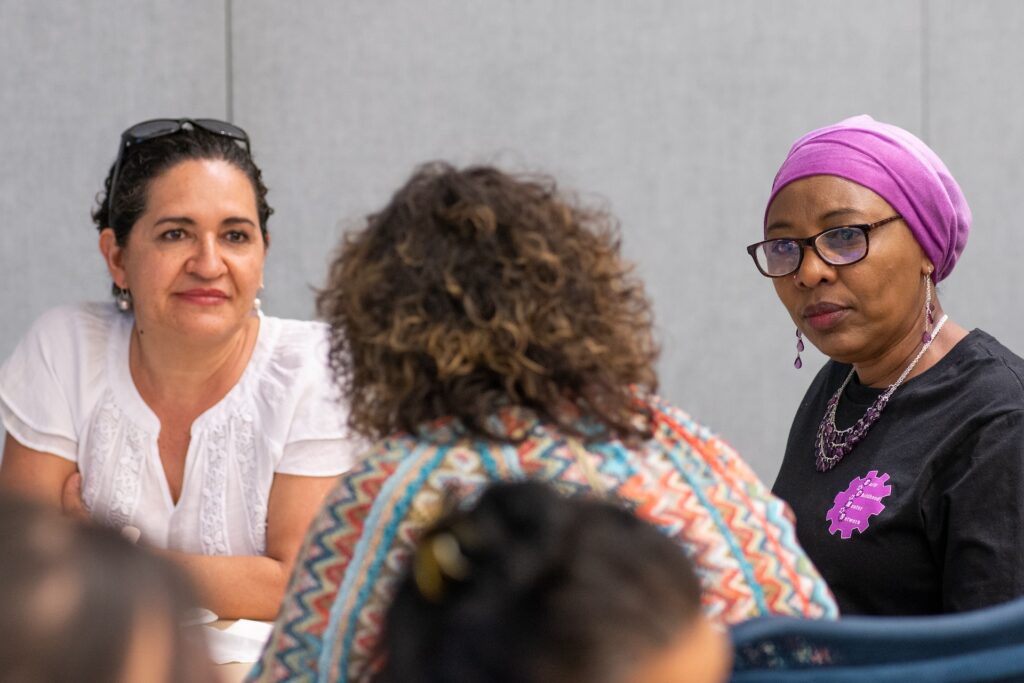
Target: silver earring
123, 300
799, 348
929, 310
257, 305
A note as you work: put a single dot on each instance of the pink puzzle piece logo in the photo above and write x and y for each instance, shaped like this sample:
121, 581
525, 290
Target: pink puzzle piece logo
855, 506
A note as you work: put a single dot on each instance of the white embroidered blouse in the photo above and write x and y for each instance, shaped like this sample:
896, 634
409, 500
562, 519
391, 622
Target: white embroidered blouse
67, 390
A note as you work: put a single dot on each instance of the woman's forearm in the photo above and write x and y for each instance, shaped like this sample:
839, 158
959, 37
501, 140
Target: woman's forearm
239, 586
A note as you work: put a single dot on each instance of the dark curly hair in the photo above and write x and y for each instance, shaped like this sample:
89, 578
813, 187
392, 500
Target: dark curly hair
473, 290
545, 588
145, 161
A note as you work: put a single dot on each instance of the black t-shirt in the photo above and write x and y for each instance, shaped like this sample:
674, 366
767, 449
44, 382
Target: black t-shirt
926, 514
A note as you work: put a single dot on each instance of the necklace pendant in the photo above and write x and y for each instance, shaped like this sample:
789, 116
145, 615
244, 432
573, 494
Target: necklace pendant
833, 444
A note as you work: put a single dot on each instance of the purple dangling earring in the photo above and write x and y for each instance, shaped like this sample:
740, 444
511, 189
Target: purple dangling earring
799, 348
929, 311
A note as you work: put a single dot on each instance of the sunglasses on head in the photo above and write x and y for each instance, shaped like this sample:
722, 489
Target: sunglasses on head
157, 128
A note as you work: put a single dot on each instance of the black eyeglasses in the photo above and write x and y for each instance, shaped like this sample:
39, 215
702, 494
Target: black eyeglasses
156, 128
839, 246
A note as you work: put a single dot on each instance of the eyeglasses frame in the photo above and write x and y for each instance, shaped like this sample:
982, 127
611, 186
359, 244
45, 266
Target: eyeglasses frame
804, 242
214, 126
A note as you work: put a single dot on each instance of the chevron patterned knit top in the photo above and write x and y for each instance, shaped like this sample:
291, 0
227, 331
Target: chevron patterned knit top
684, 480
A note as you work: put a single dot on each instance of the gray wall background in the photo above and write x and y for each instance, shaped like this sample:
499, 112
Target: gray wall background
675, 113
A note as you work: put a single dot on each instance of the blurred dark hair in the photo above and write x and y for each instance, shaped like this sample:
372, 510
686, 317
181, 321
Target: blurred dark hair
145, 161
536, 588
475, 289
72, 595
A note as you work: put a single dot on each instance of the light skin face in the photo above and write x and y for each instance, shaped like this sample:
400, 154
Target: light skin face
870, 313
699, 654
194, 260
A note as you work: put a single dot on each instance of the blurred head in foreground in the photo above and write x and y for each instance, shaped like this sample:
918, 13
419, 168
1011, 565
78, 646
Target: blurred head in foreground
534, 587
81, 603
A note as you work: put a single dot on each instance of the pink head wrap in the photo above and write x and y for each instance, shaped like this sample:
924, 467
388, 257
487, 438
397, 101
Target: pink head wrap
896, 166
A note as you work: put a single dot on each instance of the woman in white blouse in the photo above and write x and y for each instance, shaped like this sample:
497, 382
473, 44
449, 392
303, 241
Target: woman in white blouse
179, 409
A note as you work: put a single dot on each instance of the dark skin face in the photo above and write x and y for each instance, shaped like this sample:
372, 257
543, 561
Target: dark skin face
870, 313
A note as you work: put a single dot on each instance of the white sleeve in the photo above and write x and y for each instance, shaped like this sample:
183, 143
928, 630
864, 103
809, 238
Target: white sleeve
37, 384
317, 444
317, 441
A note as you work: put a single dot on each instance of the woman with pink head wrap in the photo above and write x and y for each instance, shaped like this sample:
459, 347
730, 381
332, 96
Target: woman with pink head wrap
912, 435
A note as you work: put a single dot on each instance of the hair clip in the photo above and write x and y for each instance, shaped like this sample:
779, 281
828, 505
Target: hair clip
438, 557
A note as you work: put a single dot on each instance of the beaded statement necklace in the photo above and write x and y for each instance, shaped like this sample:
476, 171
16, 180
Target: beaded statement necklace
833, 443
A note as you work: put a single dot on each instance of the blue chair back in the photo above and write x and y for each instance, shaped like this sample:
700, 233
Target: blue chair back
984, 645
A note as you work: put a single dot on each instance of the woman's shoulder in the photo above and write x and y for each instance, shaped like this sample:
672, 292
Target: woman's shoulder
720, 502
992, 362
295, 331
695, 447
294, 352
297, 344
87, 316
55, 375
294, 386
979, 377
77, 332
680, 419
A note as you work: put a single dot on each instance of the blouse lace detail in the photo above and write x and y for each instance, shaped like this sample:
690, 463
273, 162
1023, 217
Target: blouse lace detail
102, 435
213, 507
134, 452
130, 455
253, 497
232, 441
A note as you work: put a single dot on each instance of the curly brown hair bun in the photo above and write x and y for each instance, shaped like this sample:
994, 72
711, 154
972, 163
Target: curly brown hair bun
473, 290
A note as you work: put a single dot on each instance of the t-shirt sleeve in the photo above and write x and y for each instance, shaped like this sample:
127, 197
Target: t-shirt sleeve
37, 385
980, 524
318, 442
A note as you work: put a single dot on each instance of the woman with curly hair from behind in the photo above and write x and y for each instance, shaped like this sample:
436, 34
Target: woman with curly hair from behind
485, 327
